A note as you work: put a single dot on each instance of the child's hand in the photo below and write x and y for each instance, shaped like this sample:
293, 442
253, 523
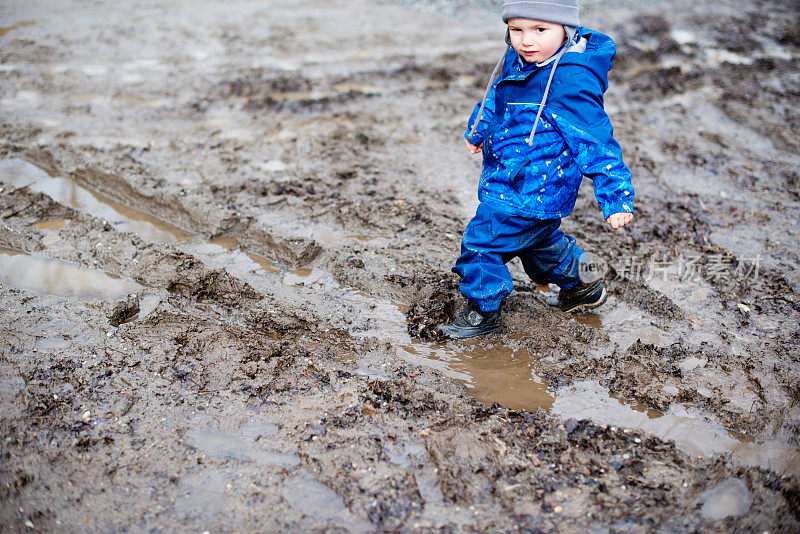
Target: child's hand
618, 220
472, 148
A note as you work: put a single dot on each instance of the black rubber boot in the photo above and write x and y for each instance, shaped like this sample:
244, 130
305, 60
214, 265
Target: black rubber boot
472, 322
581, 297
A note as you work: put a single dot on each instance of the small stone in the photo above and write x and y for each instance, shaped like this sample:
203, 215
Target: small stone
29, 524
570, 425
558, 509
86, 415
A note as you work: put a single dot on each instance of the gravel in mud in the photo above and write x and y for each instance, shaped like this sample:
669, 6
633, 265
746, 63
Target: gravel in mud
225, 245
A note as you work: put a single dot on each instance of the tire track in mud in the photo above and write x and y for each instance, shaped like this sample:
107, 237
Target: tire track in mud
197, 216
313, 364
200, 361
199, 289
638, 294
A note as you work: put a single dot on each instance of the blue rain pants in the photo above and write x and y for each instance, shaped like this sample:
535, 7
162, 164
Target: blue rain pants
493, 238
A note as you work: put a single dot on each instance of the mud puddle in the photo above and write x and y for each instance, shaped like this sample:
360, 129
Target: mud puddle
682, 423
235, 250
42, 275
497, 373
729, 498
492, 371
204, 495
20, 173
325, 235
499, 370
358, 149
320, 502
229, 446
5, 29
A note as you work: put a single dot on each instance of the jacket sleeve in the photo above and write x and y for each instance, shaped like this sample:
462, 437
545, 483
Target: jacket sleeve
486, 118
576, 106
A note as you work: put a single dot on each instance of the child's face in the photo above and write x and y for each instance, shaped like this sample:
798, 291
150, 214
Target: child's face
535, 40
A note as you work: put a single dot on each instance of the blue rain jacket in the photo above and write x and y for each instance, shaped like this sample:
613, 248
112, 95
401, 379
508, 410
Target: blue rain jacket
574, 137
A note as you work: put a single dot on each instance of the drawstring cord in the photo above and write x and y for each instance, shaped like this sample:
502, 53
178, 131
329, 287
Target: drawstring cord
547, 89
496, 73
492, 78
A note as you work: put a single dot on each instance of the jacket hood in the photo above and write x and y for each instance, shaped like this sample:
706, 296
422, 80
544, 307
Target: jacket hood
594, 51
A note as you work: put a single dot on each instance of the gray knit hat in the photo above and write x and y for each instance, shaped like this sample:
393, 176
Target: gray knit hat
564, 12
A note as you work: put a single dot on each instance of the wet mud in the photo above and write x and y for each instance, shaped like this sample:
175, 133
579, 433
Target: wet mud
224, 256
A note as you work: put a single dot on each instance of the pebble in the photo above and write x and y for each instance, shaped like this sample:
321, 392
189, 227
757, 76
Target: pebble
558, 509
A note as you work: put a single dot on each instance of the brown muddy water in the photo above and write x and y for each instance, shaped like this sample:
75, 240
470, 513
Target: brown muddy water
499, 370
495, 371
237, 249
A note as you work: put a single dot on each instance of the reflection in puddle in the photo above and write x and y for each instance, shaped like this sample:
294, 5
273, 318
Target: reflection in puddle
219, 444
693, 433
232, 245
317, 278
5, 29
51, 225
318, 501
362, 238
730, 498
492, 372
203, 494
590, 319
324, 234
19, 173
312, 498
302, 272
507, 375
42, 275
147, 304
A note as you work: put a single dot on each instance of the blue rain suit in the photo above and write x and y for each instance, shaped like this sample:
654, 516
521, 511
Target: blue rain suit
526, 189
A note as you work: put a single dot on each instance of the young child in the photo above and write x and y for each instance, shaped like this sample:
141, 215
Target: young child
541, 127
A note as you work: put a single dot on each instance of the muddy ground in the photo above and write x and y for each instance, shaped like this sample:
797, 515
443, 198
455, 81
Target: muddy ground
225, 244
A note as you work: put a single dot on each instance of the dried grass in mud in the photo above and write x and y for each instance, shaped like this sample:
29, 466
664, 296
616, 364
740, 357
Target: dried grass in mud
225, 254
